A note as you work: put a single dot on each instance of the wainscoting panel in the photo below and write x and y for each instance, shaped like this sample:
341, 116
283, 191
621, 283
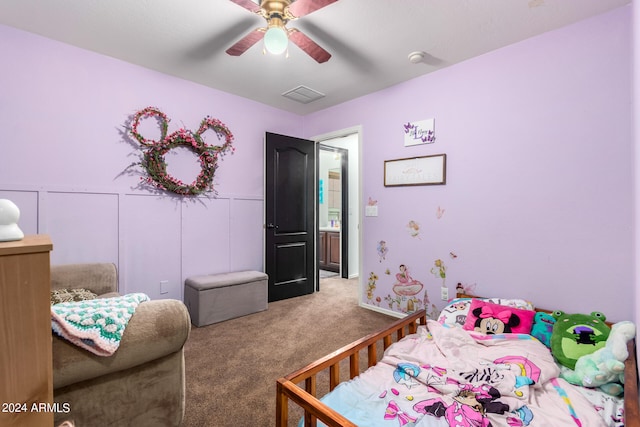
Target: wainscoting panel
83, 226
247, 234
156, 241
205, 236
152, 246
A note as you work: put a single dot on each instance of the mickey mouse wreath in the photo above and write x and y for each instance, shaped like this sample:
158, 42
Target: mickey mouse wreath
153, 160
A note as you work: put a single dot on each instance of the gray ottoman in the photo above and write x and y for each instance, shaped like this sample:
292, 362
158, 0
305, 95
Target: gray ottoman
217, 297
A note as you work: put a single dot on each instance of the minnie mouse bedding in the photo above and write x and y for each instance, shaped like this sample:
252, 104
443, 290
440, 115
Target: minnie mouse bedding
446, 376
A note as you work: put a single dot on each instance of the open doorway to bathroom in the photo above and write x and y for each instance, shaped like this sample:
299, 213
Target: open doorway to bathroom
333, 203
338, 206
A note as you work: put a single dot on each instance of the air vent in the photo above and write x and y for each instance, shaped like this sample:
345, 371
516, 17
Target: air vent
303, 94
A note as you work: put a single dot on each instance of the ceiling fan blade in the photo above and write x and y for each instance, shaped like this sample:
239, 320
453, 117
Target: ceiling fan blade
247, 4
246, 42
304, 7
309, 46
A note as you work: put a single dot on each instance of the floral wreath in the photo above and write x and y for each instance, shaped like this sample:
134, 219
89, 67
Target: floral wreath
153, 159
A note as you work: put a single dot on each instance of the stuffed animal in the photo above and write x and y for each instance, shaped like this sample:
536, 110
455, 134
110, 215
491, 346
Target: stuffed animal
604, 368
543, 327
575, 335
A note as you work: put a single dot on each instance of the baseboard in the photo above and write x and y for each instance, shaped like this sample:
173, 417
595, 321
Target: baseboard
383, 310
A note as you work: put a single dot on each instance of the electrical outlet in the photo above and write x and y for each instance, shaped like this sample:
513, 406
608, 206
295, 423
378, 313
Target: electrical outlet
444, 293
164, 286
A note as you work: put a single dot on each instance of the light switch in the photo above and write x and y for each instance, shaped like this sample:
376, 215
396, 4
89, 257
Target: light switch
371, 210
444, 293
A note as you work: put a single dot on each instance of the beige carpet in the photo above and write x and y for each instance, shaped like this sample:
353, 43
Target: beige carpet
232, 367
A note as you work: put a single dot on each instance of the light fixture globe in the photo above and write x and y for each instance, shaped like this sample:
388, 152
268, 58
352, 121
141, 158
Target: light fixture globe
276, 40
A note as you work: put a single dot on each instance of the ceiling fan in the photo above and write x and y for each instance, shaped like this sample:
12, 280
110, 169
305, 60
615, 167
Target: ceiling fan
276, 36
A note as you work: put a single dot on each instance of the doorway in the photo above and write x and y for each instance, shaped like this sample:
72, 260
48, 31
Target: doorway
333, 205
291, 213
348, 141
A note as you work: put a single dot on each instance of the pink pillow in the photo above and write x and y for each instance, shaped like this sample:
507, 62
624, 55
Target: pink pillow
488, 318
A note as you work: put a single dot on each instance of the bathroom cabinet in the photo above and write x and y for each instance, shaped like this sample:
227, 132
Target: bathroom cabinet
329, 251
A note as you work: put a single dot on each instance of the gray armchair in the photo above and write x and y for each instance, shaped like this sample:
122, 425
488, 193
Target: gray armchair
143, 382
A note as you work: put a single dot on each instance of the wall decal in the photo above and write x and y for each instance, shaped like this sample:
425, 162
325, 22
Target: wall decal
406, 285
418, 133
439, 270
382, 250
413, 228
453, 255
406, 288
371, 209
430, 308
371, 287
466, 289
439, 212
153, 159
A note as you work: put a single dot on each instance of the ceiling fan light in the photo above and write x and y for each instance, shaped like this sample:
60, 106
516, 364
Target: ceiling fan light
276, 40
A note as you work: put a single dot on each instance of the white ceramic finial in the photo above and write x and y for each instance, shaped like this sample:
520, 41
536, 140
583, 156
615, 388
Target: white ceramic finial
9, 216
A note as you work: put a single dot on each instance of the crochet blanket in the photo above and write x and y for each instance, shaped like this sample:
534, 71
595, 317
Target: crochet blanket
96, 325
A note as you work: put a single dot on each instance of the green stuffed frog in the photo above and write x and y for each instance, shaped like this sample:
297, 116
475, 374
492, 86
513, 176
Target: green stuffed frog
604, 368
575, 335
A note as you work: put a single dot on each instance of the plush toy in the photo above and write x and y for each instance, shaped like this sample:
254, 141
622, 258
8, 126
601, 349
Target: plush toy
490, 319
604, 368
543, 327
575, 335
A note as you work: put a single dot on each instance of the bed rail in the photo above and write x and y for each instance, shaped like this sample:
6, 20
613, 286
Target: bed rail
631, 402
306, 398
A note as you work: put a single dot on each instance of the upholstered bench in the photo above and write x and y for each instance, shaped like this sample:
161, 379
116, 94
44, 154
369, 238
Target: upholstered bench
217, 297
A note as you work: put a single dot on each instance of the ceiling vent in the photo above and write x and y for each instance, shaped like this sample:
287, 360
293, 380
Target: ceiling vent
303, 94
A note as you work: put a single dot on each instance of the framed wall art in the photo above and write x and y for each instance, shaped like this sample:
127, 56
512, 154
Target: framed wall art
425, 170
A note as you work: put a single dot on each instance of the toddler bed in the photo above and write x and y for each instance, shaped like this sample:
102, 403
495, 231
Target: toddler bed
440, 375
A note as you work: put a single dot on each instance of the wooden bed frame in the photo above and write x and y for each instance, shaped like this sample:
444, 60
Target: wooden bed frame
314, 409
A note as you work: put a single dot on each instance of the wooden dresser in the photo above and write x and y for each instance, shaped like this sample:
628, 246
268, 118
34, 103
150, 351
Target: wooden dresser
26, 384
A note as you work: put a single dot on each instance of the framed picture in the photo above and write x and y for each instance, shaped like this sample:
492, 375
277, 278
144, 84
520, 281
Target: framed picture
425, 170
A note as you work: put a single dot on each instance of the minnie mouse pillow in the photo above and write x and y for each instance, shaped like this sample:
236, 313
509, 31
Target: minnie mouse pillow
488, 318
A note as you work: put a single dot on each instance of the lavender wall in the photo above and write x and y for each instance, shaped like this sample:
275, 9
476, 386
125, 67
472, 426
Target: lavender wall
539, 199
63, 155
539, 195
